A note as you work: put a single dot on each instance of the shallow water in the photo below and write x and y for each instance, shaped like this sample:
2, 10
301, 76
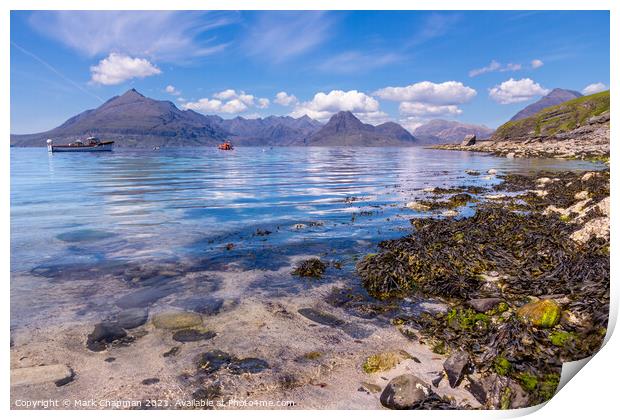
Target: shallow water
78, 216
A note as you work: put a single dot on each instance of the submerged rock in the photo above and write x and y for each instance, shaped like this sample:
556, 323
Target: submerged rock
132, 318
455, 367
405, 392
104, 334
543, 313
321, 317
177, 320
247, 365
59, 374
191, 335
212, 361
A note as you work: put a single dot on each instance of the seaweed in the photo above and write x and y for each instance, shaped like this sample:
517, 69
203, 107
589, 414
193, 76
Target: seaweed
312, 267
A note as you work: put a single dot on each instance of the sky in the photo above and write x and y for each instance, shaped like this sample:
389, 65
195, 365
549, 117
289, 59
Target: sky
410, 67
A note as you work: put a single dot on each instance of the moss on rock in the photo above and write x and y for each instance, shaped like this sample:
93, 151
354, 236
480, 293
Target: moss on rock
543, 313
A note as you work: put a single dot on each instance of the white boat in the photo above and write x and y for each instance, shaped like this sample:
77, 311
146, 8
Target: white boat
92, 144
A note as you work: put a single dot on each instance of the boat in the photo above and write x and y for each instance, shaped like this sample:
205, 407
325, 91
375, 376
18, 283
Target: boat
91, 144
227, 145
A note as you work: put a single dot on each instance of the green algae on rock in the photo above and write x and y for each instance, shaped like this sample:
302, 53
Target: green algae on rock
543, 313
381, 362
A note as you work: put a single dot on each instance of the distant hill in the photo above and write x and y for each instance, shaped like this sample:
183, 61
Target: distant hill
443, 131
344, 129
273, 130
555, 120
133, 120
555, 97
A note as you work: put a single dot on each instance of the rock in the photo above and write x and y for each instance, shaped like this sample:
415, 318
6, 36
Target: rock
213, 361
455, 367
132, 318
143, 298
498, 392
172, 352
205, 306
370, 387
543, 313
510, 155
247, 365
59, 374
543, 181
404, 392
429, 189
472, 172
299, 226
492, 171
321, 317
177, 320
582, 195
469, 140
588, 175
103, 334
191, 335
450, 213
598, 227
484, 304
109, 359
495, 196
413, 205
150, 381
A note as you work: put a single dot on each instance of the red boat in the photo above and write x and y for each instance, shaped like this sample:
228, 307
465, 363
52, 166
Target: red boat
227, 145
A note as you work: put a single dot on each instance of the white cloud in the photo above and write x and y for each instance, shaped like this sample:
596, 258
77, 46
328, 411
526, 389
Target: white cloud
446, 93
117, 68
135, 33
513, 91
594, 88
418, 109
172, 90
324, 105
536, 63
280, 35
495, 66
411, 123
284, 99
229, 101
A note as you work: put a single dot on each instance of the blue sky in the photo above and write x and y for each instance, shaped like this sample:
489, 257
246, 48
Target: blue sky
408, 67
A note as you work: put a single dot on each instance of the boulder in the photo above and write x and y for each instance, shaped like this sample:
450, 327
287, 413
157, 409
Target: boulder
59, 374
405, 392
484, 304
413, 205
543, 313
455, 367
103, 334
469, 140
132, 318
177, 320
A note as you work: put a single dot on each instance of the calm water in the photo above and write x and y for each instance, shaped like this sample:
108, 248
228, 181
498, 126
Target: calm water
88, 210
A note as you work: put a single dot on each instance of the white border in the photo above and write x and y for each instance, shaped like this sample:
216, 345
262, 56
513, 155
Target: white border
592, 395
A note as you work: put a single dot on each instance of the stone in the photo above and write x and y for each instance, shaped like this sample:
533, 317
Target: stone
510, 155
413, 205
142, 298
544, 313
150, 381
371, 388
247, 365
191, 335
172, 352
405, 392
205, 306
450, 213
132, 318
104, 333
299, 226
58, 374
598, 227
484, 304
582, 195
492, 171
177, 320
455, 367
213, 361
469, 140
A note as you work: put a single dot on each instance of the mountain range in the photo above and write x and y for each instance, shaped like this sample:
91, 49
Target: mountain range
133, 120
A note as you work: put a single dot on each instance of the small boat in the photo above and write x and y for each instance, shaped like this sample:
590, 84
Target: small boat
227, 145
92, 144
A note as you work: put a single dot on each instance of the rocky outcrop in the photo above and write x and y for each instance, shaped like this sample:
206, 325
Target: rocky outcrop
469, 140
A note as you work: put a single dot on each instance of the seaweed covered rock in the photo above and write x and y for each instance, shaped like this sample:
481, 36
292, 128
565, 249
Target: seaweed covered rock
543, 313
381, 362
312, 267
177, 320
